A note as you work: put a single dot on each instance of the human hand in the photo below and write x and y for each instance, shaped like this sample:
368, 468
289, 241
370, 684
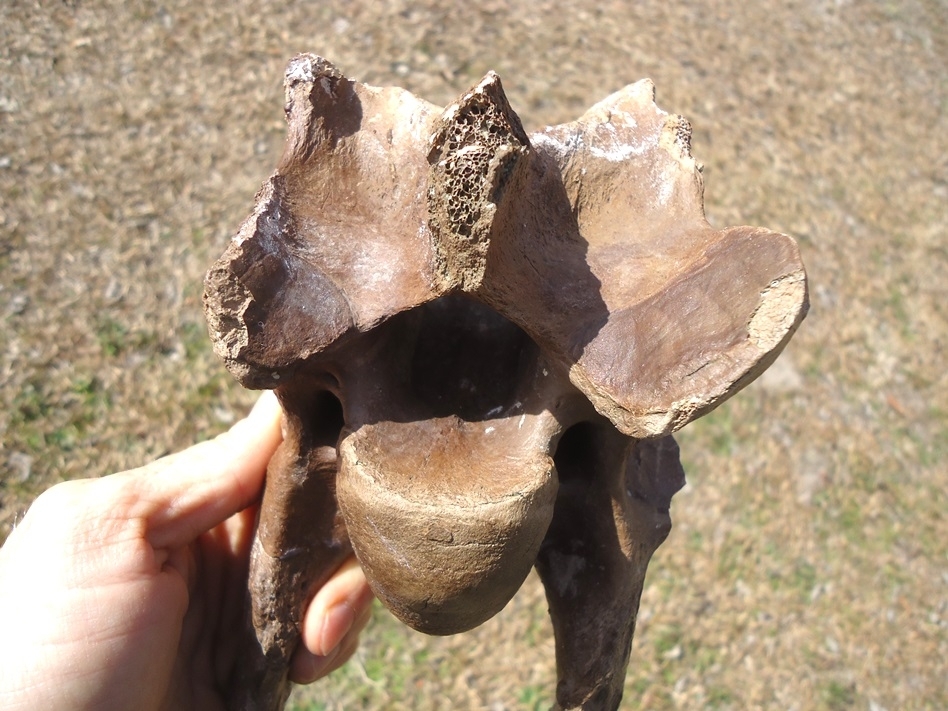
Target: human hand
127, 592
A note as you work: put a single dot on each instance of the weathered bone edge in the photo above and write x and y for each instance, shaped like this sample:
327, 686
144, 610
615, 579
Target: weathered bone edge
482, 341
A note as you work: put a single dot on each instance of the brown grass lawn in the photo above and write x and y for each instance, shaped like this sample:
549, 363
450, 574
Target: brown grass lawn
808, 568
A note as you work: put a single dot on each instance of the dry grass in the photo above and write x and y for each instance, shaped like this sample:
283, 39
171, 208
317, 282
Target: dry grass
809, 565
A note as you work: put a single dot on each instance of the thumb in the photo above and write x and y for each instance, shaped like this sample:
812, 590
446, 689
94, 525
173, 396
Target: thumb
185, 494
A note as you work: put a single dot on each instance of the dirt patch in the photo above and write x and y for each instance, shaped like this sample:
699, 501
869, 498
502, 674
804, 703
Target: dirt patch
808, 567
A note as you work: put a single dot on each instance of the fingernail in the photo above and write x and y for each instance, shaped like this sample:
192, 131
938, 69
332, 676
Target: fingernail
337, 622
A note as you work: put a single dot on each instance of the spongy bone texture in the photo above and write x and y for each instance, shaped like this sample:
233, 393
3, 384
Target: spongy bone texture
482, 342
479, 141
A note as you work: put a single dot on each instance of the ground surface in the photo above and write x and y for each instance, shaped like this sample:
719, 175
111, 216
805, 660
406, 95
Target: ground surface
808, 568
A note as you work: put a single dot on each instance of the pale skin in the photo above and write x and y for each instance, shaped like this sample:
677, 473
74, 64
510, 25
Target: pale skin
124, 592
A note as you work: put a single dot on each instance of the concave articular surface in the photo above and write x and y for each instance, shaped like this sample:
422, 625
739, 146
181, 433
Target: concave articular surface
482, 341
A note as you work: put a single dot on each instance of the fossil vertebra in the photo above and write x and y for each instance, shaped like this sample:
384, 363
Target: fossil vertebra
482, 342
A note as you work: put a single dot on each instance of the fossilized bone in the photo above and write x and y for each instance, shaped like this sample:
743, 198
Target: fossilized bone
482, 342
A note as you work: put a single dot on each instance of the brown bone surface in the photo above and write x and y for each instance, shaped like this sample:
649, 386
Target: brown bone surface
482, 342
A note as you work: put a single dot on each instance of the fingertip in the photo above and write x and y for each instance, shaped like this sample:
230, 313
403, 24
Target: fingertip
264, 417
267, 407
338, 607
305, 667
